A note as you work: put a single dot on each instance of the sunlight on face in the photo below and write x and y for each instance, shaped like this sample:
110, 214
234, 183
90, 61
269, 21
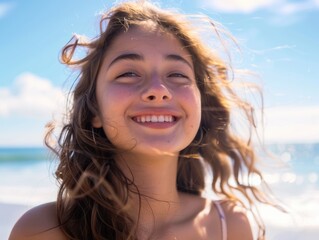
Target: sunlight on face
147, 94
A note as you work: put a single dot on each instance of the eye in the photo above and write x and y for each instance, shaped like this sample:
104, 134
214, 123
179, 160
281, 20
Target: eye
177, 75
128, 75
178, 78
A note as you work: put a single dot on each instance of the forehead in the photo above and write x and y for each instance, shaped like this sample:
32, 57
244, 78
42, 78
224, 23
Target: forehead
147, 37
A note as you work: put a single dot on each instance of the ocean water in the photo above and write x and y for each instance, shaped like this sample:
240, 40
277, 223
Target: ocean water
27, 179
293, 176
26, 176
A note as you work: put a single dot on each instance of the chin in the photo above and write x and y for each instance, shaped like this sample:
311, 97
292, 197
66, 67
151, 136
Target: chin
161, 149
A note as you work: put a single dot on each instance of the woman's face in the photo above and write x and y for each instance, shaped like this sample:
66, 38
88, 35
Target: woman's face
147, 94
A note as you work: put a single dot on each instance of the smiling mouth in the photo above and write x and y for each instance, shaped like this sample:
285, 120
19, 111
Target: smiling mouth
155, 119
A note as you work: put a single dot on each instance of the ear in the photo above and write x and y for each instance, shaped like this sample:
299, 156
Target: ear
96, 122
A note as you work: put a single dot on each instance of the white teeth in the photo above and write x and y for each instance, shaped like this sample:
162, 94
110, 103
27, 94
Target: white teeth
161, 118
154, 118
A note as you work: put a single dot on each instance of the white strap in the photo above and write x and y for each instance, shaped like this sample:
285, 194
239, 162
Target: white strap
222, 219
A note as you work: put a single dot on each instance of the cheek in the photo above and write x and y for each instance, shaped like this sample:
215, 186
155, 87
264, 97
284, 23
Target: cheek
197, 113
192, 102
192, 98
115, 93
114, 100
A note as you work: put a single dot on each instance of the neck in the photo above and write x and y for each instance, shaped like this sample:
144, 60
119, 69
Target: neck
155, 179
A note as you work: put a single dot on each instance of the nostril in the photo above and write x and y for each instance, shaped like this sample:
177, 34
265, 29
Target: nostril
152, 97
165, 97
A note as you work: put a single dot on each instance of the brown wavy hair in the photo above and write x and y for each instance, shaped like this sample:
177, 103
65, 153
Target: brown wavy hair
93, 194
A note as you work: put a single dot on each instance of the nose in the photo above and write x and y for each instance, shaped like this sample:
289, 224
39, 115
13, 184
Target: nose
156, 91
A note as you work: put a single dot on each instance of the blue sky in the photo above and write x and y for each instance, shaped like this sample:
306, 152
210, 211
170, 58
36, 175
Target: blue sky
279, 41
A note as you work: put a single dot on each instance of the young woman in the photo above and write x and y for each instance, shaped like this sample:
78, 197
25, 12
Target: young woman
150, 113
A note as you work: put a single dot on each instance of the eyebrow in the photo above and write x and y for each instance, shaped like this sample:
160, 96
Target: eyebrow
127, 56
176, 57
138, 57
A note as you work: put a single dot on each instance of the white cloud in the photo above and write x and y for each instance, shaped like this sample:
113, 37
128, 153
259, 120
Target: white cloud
26, 107
295, 7
282, 124
244, 6
249, 6
5, 8
30, 96
292, 124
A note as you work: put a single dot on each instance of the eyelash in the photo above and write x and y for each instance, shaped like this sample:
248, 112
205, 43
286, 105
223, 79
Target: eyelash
128, 74
179, 75
174, 75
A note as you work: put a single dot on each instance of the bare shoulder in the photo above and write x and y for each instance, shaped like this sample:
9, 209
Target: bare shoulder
238, 225
38, 223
